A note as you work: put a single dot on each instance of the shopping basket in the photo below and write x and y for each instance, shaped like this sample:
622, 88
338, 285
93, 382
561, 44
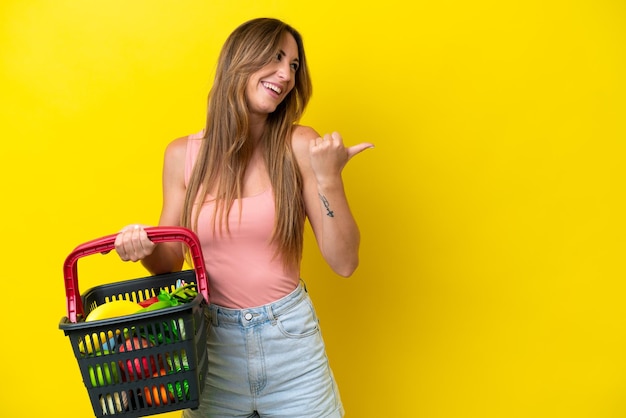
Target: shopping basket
145, 363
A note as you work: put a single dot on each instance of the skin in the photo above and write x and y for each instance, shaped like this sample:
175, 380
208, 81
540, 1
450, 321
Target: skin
321, 160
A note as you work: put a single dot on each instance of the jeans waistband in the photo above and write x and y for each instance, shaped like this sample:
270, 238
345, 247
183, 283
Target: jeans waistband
220, 315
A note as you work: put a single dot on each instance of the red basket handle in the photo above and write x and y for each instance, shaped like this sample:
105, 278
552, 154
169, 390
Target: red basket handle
107, 243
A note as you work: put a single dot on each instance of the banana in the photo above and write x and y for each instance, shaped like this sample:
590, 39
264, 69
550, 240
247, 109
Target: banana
113, 309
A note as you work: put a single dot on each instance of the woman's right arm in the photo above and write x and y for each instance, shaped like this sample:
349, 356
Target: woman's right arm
132, 242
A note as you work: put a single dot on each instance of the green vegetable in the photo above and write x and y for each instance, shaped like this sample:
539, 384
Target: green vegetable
155, 306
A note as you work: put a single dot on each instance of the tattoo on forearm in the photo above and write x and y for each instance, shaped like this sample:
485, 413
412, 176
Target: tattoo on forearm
329, 212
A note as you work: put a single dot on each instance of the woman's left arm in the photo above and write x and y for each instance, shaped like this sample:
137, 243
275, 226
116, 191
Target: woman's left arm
321, 161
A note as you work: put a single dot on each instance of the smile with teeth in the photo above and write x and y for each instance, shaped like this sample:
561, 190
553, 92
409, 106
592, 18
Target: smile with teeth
272, 87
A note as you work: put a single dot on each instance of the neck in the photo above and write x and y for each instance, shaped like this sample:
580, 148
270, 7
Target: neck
257, 126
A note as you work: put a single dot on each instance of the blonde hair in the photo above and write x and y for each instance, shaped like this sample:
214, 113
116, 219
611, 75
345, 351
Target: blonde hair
226, 148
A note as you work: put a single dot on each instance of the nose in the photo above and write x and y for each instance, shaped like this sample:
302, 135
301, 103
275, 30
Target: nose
284, 71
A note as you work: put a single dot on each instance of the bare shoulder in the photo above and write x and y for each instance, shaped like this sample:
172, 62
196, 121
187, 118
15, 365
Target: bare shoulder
301, 138
302, 133
177, 149
174, 161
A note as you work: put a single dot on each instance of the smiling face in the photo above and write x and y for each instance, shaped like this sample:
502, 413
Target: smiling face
268, 87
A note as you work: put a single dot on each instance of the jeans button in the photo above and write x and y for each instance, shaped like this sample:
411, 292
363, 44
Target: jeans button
248, 316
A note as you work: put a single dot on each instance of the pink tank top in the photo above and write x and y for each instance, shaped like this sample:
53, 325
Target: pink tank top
241, 266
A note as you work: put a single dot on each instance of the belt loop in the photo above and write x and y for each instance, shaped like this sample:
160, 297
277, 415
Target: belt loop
213, 310
304, 285
270, 314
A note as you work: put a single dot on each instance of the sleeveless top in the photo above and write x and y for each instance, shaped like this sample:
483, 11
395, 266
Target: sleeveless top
242, 269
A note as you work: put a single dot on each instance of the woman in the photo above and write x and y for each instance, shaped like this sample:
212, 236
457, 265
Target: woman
246, 185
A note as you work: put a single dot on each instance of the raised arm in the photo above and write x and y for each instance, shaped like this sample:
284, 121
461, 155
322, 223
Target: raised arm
321, 161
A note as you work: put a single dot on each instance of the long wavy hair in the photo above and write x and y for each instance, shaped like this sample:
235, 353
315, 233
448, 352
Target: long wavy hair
226, 147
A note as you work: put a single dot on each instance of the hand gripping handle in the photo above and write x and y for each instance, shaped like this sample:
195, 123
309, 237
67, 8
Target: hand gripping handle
107, 243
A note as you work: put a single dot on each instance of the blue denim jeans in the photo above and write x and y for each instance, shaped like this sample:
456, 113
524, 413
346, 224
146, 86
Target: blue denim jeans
268, 361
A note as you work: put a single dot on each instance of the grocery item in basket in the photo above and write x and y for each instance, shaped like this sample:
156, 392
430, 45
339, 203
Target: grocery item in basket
181, 390
159, 304
148, 302
93, 342
184, 293
139, 367
114, 403
105, 374
158, 396
113, 309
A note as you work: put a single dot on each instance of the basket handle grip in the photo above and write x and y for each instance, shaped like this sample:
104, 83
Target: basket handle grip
105, 244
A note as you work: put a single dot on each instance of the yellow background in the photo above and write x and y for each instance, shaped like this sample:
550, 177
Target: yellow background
492, 208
